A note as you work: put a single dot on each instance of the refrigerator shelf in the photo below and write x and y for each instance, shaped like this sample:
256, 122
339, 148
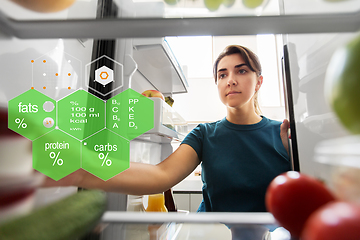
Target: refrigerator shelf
187, 17
157, 63
162, 27
168, 124
206, 225
179, 9
260, 218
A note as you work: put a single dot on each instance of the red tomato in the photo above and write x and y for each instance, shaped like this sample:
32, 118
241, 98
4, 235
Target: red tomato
6, 198
291, 197
334, 221
4, 130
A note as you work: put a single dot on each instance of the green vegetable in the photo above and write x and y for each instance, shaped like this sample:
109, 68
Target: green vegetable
342, 84
66, 219
213, 5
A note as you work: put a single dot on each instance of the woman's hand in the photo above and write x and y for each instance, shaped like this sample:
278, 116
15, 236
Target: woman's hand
284, 134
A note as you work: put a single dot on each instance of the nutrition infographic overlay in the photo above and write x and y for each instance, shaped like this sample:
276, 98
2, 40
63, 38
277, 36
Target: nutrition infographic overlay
81, 130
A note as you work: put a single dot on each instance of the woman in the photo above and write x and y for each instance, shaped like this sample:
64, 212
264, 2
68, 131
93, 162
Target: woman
240, 154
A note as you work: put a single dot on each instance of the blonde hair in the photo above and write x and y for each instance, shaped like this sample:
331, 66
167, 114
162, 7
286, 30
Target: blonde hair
251, 60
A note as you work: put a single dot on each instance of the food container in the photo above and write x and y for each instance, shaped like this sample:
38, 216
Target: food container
343, 155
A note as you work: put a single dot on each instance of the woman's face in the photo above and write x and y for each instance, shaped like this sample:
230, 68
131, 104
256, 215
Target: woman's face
236, 83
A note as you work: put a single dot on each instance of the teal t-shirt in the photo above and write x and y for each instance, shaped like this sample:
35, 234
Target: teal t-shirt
238, 163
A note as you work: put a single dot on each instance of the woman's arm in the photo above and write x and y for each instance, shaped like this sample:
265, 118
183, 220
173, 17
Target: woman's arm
140, 178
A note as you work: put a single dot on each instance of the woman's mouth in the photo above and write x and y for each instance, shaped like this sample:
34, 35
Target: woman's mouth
232, 93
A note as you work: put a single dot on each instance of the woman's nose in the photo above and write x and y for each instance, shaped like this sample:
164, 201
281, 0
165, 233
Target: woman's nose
232, 82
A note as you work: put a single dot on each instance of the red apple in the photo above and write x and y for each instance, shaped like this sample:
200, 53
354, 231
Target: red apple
153, 93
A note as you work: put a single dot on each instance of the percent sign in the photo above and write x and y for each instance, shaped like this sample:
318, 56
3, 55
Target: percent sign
57, 160
108, 162
74, 103
21, 123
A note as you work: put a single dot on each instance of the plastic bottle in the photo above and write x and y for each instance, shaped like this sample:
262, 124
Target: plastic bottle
135, 204
156, 203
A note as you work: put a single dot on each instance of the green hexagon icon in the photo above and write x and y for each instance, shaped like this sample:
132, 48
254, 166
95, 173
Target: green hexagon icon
129, 114
81, 114
56, 154
105, 154
31, 114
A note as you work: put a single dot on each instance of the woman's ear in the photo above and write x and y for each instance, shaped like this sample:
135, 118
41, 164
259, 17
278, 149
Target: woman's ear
259, 83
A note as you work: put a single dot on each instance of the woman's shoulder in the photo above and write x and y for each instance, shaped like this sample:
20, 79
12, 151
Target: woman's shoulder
211, 125
208, 126
272, 122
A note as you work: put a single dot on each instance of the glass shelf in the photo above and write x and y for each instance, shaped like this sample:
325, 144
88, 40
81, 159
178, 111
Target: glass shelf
86, 9
137, 225
147, 18
157, 63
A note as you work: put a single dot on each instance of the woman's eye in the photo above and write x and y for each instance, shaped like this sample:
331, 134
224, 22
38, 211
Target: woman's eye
221, 76
242, 71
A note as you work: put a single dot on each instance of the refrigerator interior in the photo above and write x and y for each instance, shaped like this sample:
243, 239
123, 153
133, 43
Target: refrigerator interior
26, 36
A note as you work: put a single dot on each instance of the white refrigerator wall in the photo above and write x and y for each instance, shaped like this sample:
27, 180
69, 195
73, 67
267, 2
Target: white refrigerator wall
309, 56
